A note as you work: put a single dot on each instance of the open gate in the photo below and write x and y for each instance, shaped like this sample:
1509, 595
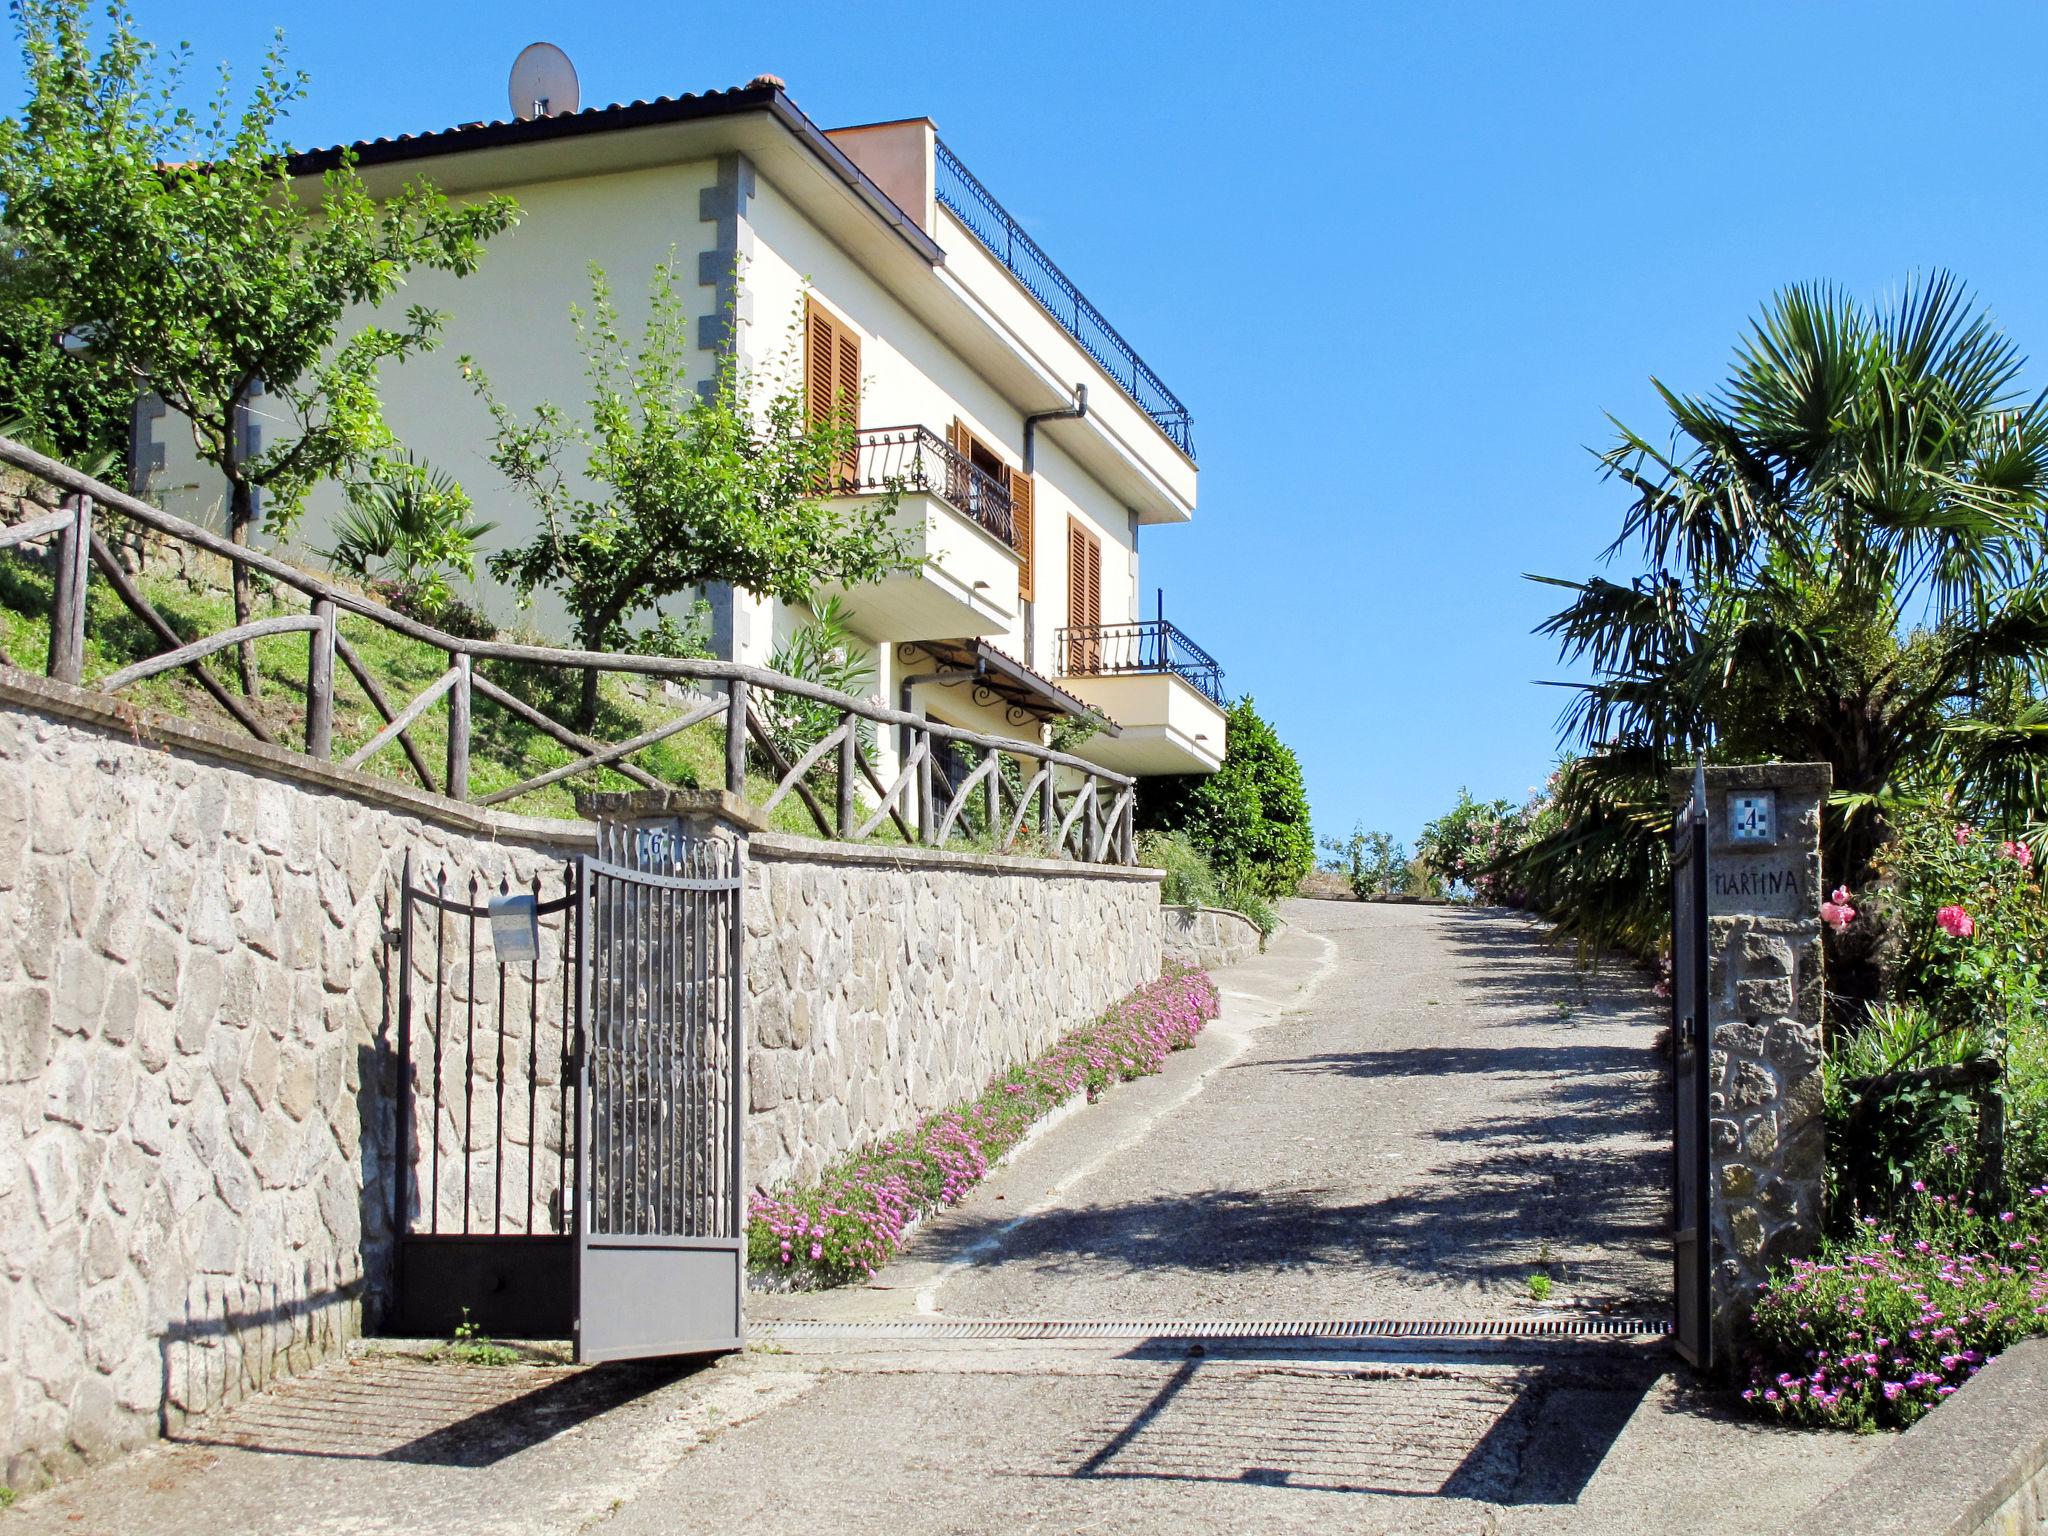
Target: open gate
1691, 1052
660, 1261
566, 1151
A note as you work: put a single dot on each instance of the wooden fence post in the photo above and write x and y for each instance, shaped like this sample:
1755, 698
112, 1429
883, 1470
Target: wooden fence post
736, 738
995, 796
320, 682
458, 730
927, 813
849, 764
1049, 811
67, 609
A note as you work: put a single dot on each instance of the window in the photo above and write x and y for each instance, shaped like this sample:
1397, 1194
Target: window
1084, 598
1014, 483
832, 376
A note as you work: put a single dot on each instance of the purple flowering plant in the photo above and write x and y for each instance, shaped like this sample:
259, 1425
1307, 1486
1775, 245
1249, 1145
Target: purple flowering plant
1883, 1326
855, 1218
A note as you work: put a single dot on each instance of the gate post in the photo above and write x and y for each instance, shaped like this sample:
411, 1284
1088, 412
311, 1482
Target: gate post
1766, 1135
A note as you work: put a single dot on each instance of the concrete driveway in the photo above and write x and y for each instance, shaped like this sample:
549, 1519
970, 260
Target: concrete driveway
1404, 1113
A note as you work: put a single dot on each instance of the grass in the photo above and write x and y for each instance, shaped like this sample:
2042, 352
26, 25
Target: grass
471, 1346
503, 748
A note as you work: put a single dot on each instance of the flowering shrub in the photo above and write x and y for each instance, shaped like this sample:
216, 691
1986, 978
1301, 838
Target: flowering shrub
853, 1220
1878, 1330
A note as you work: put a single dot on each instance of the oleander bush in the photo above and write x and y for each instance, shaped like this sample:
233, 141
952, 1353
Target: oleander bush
855, 1218
1884, 1325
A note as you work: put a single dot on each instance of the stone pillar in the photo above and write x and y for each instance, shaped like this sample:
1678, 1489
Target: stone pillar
627, 818
1766, 984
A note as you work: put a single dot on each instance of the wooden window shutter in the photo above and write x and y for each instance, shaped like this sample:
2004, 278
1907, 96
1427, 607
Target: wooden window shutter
1021, 530
821, 362
848, 375
1084, 597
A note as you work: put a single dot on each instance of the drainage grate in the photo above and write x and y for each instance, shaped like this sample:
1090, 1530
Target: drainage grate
1211, 1328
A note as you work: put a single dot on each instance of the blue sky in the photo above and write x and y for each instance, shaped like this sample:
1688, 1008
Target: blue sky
1400, 260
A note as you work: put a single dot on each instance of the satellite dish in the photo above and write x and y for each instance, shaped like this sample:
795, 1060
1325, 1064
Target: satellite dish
543, 83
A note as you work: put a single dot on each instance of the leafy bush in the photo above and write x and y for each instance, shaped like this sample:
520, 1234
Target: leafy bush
1959, 928
1466, 846
1374, 863
1250, 816
824, 652
1879, 1329
1191, 881
854, 1219
408, 526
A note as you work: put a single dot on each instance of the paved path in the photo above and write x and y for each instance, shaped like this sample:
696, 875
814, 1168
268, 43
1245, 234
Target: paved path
1403, 1113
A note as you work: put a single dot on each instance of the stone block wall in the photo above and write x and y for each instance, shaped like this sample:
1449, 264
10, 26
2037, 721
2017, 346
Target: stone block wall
883, 984
1211, 937
195, 1069
197, 1041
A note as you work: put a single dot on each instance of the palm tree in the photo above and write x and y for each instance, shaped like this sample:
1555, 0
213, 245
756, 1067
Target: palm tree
1838, 558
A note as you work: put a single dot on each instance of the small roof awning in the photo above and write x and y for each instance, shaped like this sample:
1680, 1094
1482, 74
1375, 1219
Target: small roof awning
999, 673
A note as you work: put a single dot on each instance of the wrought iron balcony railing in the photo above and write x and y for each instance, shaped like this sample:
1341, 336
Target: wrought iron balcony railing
918, 459
1149, 646
991, 224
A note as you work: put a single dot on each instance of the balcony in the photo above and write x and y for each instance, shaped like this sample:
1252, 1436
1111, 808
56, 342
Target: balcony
956, 518
1165, 690
957, 190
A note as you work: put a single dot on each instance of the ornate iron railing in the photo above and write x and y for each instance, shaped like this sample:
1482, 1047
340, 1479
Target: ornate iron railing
918, 459
1054, 802
1149, 646
975, 206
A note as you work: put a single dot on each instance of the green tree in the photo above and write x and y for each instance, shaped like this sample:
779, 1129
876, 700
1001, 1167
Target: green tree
1250, 817
1837, 559
665, 488
59, 400
179, 246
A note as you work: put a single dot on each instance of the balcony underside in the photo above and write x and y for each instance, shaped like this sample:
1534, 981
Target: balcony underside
1169, 726
967, 585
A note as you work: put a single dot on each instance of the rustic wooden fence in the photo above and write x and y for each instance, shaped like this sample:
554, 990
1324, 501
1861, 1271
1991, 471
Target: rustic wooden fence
1053, 802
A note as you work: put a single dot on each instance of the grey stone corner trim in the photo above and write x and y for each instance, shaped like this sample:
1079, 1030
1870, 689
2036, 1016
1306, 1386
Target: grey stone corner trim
724, 204
145, 453
152, 728
1977, 1464
778, 847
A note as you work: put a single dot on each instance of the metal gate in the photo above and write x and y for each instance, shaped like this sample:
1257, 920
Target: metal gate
660, 1266
1691, 1052
566, 1151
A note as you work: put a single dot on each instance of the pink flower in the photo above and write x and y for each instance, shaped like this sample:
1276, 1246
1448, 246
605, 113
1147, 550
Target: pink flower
1836, 914
1955, 922
1963, 835
2019, 853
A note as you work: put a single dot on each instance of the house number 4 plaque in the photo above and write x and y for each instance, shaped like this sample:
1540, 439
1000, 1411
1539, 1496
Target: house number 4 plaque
1753, 818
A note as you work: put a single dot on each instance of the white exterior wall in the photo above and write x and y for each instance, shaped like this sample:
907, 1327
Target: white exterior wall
512, 315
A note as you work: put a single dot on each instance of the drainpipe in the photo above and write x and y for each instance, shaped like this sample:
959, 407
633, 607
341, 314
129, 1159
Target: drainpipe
1073, 412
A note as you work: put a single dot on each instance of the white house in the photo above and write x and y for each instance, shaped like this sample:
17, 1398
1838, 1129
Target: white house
1037, 444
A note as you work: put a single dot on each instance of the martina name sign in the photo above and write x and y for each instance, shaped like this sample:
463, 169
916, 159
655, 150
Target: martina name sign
1769, 885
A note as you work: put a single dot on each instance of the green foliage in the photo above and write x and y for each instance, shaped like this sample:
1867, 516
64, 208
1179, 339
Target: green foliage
472, 1346
1376, 865
179, 245
1539, 1286
1193, 881
409, 527
1190, 880
1835, 561
1885, 1324
1250, 817
66, 404
1466, 846
664, 488
824, 652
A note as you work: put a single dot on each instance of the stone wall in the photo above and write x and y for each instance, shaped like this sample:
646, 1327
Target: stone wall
883, 984
1211, 937
195, 1065
197, 1041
